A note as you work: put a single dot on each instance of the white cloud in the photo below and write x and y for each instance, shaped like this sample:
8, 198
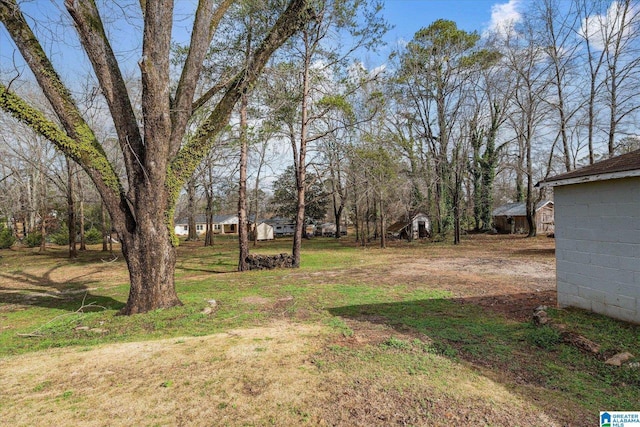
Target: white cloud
504, 16
601, 29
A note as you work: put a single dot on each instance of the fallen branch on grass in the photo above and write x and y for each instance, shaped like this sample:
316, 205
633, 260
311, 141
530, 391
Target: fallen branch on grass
36, 333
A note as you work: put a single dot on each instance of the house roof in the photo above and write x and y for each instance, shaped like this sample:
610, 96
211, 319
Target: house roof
517, 209
623, 166
202, 219
279, 220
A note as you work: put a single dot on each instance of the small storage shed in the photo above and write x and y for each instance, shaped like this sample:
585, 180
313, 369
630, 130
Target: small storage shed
416, 226
597, 218
265, 231
512, 218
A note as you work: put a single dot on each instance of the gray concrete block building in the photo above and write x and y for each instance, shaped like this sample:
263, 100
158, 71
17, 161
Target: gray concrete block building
597, 230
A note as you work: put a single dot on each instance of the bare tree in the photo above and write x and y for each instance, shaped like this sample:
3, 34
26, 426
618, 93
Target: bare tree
525, 59
557, 35
157, 158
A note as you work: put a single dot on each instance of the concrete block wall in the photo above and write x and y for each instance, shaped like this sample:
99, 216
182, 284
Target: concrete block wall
597, 229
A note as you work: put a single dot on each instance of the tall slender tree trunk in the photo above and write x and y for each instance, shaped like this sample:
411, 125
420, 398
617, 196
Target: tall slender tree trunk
106, 231
81, 219
476, 177
192, 232
257, 196
530, 202
520, 165
337, 214
613, 111
301, 163
71, 212
383, 239
81, 223
243, 239
356, 211
591, 119
208, 235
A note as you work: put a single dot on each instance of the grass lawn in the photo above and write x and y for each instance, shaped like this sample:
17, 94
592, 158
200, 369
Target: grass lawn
419, 333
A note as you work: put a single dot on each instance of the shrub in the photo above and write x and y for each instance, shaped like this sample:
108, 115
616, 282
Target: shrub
6, 237
33, 240
92, 236
61, 237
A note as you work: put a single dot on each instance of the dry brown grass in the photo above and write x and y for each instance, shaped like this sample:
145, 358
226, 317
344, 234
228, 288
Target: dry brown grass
260, 376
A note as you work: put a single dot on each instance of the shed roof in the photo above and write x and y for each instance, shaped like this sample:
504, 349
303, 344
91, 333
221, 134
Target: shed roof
625, 165
398, 226
403, 223
517, 209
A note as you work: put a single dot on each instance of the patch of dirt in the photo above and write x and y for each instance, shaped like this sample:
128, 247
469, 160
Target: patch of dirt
518, 307
255, 300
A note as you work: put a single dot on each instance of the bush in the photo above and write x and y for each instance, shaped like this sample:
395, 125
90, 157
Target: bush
6, 237
61, 237
92, 236
33, 240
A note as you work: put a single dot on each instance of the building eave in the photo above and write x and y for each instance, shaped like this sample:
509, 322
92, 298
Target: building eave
590, 178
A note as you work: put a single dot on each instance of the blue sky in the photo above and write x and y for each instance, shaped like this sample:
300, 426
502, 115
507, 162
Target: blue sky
409, 16
406, 17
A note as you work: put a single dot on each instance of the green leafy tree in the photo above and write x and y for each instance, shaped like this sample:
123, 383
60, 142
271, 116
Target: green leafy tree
435, 72
285, 201
7, 239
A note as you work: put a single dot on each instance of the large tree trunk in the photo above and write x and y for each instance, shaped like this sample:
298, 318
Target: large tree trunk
151, 259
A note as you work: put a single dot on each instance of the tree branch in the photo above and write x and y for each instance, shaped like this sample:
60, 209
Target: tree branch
77, 141
205, 24
89, 156
296, 15
92, 35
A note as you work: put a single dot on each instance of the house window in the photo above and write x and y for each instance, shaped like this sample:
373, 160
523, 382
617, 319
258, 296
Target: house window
216, 227
199, 227
185, 228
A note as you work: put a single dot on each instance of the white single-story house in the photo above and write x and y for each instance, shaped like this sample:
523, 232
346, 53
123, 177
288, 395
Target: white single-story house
222, 224
416, 226
512, 218
597, 230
